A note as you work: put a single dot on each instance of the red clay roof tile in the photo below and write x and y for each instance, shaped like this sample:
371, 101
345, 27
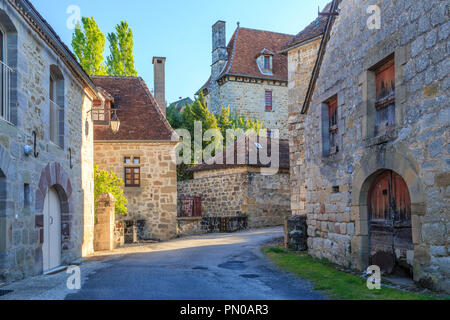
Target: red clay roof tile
139, 115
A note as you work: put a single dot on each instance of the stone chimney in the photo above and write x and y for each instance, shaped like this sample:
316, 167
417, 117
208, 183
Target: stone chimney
159, 73
219, 48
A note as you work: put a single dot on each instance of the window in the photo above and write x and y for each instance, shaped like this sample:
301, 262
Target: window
98, 112
385, 97
56, 106
268, 100
132, 171
330, 127
5, 74
267, 62
133, 177
333, 124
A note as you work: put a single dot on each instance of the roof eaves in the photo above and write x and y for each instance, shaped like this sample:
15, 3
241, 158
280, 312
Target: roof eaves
320, 55
41, 26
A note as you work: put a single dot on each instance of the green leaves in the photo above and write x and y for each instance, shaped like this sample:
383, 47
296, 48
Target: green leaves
89, 44
121, 60
108, 182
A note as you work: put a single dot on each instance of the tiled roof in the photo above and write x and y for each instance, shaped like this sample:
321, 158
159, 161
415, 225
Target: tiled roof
283, 152
180, 104
246, 44
315, 29
139, 115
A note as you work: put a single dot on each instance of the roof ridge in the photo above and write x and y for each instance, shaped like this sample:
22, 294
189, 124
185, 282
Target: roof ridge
158, 109
236, 32
112, 77
282, 33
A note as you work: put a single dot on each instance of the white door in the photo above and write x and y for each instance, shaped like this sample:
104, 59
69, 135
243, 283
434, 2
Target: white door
52, 231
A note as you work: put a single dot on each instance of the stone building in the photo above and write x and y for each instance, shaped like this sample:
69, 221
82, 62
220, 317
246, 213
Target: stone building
142, 153
241, 189
302, 52
372, 155
46, 148
249, 76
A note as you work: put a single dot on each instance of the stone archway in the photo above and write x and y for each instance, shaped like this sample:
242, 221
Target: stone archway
54, 176
370, 168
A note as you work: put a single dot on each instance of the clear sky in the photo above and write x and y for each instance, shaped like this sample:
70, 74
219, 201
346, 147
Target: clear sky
181, 30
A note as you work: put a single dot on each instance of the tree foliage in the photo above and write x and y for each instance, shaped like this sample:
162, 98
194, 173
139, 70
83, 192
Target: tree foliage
89, 43
121, 60
223, 121
108, 182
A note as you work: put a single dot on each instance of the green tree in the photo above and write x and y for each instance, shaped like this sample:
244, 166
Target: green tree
121, 60
108, 182
88, 44
175, 117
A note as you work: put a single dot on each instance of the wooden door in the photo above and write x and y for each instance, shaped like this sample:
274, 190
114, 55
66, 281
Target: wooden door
390, 229
52, 231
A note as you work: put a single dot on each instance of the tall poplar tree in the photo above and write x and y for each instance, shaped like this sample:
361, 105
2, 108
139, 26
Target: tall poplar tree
89, 43
121, 60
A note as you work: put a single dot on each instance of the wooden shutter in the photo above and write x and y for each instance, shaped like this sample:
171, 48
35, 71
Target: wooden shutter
268, 100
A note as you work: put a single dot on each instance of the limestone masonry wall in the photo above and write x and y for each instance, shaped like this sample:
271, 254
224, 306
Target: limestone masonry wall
335, 197
155, 201
25, 180
265, 200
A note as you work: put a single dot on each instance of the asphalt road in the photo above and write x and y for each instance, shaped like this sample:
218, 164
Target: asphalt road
219, 267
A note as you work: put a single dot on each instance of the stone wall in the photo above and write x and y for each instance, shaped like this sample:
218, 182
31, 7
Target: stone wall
247, 99
223, 192
416, 32
301, 61
269, 198
105, 223
27, 178
155, 201
235, 192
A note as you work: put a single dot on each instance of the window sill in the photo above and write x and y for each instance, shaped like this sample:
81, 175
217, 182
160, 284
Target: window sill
189, 218
7, 122
390, 135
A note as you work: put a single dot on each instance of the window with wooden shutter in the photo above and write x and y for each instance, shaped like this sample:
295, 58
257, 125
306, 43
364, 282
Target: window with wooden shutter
132, 177
268, 100
385, 97
132, 171
333, 124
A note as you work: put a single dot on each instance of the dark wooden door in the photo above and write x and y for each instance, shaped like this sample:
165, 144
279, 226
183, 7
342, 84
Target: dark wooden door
390, 229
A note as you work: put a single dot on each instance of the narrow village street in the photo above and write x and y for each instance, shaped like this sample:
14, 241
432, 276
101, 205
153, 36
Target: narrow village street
218, 266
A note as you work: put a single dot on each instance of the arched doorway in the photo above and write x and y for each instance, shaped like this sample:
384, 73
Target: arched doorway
51, 247
390, 229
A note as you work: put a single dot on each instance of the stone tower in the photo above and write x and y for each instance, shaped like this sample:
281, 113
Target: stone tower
219, 60
159, 73
219, 48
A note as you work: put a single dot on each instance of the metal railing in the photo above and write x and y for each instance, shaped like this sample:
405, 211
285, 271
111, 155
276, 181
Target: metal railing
5, 86
189, 207
56, 113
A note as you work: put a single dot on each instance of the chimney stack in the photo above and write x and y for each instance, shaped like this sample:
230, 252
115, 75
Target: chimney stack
219, 48
159, 73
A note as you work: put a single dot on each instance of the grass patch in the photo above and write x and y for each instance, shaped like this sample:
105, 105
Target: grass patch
334, 283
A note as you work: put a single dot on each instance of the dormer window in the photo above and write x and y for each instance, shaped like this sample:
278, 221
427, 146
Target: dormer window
265, 61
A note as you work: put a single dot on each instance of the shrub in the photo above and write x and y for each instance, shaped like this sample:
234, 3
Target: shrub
108, 182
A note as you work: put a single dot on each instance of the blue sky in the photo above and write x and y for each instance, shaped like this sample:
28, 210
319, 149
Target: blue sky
181, 30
